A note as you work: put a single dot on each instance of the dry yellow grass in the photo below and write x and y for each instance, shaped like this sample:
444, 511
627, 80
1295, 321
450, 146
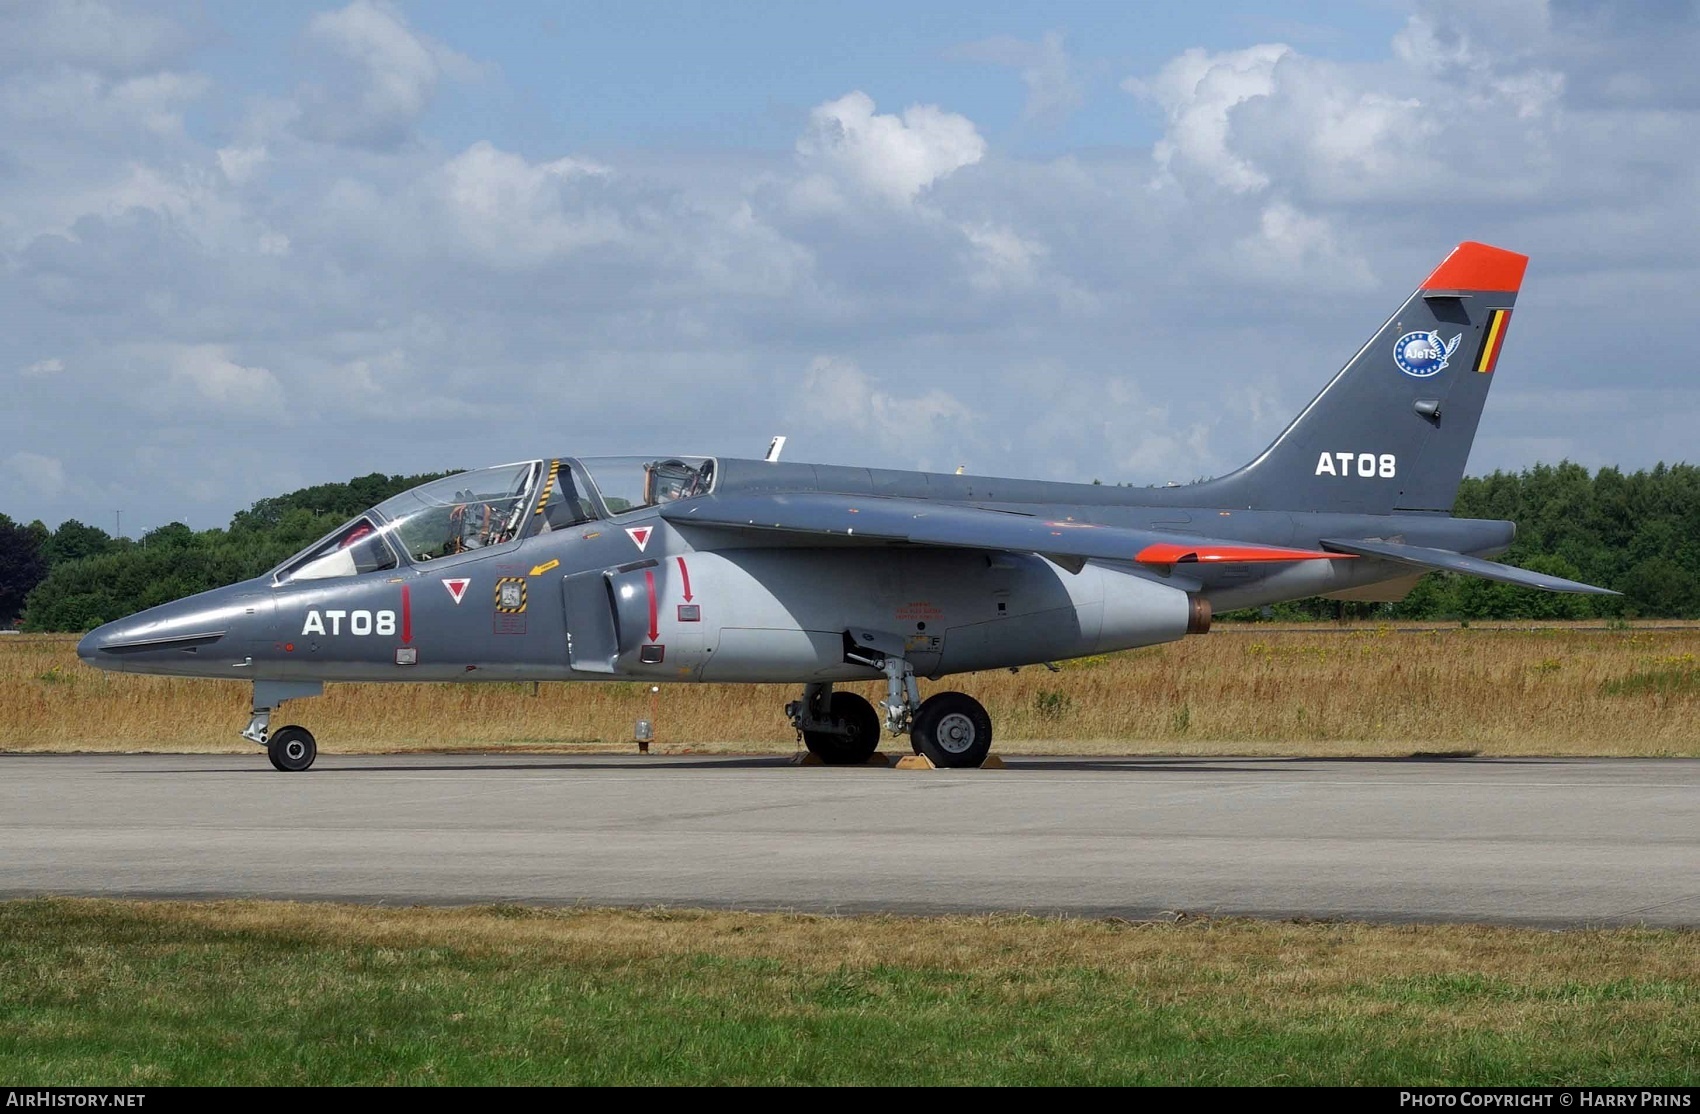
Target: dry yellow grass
1278, 954
1260, 690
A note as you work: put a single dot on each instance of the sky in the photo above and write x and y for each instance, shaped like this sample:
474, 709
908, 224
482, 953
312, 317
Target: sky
247, 248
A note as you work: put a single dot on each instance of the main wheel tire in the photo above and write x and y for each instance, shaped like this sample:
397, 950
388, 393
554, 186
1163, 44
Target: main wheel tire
292, 749
952, 729
863, 738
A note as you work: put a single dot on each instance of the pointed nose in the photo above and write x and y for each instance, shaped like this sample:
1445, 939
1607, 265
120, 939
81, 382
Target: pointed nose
89, 648
179, 639
133, 645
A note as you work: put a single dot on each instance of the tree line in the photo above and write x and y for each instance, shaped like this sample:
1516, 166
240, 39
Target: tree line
78, 576
1637, 533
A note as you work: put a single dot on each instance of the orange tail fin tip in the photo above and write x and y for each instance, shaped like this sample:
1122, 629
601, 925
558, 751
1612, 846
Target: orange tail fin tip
1473, 266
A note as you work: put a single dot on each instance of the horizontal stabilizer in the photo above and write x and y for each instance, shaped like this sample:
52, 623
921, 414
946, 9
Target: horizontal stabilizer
1446, 559
950, 525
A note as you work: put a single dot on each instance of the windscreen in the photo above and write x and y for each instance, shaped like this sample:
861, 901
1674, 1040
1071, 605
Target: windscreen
349, 551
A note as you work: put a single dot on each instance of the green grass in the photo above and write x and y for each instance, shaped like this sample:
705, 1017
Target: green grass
1663, 682
253, 993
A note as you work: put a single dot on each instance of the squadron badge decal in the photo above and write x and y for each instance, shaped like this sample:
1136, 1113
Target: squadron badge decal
1422, 354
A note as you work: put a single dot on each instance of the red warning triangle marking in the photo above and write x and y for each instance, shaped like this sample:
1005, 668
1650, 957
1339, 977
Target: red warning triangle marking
640, 535
457, 587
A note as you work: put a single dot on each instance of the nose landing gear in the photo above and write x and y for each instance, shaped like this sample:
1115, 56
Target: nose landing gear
293, 748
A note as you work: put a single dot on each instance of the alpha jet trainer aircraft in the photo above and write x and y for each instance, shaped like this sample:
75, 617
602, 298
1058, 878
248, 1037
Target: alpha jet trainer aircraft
693, 569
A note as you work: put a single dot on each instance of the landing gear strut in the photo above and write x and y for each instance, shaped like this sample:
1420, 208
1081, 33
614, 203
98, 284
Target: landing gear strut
290, 748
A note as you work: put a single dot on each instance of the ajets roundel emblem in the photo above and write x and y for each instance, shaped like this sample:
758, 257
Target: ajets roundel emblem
1422, 354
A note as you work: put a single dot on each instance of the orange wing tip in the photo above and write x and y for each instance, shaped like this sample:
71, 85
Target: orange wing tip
1473, 266
1169, 553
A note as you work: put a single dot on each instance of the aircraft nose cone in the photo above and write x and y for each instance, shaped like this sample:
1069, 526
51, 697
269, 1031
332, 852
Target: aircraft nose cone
95, 648
90, 646
176, 639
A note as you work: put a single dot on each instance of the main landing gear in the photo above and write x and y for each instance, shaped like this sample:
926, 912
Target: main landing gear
951, 729
839, 728
291, 749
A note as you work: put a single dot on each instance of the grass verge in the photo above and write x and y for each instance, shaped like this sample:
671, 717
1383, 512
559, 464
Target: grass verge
1363, 691
115, 993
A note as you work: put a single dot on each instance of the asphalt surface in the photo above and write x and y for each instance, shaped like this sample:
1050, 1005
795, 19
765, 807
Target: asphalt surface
1552, 842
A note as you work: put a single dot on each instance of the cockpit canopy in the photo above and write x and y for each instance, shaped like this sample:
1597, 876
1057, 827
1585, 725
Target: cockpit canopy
495, 506
469, 510
630, 483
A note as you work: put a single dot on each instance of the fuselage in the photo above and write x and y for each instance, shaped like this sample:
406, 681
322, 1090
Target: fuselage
579, 577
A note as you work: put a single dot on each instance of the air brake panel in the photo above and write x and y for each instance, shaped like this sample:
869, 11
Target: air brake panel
593, 643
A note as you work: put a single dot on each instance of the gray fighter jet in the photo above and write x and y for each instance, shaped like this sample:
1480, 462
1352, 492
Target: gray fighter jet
696, 569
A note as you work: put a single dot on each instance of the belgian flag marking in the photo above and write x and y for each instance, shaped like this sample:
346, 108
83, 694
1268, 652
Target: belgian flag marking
1495, 340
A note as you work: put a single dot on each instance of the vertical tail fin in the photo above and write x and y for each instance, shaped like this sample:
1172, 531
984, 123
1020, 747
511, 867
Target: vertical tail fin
1392, 431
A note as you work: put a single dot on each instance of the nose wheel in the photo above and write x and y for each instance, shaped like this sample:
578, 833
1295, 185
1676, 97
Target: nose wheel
292, 749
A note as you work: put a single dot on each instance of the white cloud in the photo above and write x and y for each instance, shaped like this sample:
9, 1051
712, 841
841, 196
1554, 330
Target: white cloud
240, 163
836, 389
42, 477
890, 156
84, 101
43, 367
1443, 115
511, 210
207, 374
1007, 257
1053, 88
381, 77
87, 33
1197, 92
1289, 243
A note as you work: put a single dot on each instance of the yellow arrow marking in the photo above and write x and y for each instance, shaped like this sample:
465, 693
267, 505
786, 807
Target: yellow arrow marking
539, 570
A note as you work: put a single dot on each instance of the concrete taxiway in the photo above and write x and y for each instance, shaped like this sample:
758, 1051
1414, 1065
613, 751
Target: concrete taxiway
1553, 842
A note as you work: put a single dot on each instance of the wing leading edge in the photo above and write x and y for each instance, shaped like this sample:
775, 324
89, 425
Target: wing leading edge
1425, 558
919, 522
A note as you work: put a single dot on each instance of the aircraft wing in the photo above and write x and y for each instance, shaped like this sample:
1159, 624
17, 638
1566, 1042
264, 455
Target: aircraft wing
1426, 558
949, 525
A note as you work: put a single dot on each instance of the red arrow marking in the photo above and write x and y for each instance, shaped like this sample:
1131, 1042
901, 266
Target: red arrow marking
406, 614
654, 629
685, 574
